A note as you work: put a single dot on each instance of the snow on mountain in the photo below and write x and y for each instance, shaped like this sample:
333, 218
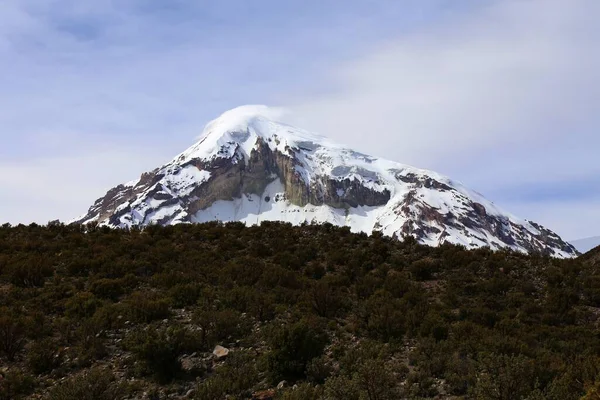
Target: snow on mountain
585, 245
248, 167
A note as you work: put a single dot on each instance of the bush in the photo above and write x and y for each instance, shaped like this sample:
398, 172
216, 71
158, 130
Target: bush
220, 325
342, 388
372, 380
375, 381
504, 377
146, 307
292, 349
317, 370
235, 378
159, 349
43, 356
304, 391
110, 289
29, 273
384, 317
15, 385
81, 306
96, 384
12, 333
211, 389
185, 295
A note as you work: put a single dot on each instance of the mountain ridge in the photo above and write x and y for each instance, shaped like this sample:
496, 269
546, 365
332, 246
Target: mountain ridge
247, 166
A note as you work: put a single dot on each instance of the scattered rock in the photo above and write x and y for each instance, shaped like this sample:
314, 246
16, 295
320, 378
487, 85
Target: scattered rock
220, 352
281, 385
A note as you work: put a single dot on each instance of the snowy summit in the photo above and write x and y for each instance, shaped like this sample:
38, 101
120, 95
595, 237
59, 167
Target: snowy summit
246, 166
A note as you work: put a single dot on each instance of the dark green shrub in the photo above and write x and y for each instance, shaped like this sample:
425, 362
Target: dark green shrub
15, 385
385, 317
110, 289
159, 349
342, 388
293, 347
43, 356
12, 333
423, 270
31, 272
211, 389
504, 377
185, 295
96, 384
81, 306
304, 391
318, 370
325, 299
235, 378
146, 307
375, 381
220, 325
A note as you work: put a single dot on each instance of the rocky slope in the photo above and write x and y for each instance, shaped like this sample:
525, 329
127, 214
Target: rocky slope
248, 167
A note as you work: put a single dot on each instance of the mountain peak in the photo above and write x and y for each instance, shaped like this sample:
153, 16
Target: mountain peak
246, 166
242, 119
239, 129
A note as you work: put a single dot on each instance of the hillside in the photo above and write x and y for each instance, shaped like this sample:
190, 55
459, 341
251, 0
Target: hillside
249, 167
97, 313
592, 256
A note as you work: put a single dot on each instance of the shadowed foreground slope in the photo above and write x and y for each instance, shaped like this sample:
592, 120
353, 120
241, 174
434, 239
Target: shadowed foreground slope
96, 313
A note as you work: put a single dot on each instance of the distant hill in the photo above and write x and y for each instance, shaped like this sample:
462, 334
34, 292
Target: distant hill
587, 244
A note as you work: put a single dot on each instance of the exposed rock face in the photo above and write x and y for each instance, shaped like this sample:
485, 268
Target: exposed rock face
247, 167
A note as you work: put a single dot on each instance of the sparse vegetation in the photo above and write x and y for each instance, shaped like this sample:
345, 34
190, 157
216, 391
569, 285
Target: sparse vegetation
310, 312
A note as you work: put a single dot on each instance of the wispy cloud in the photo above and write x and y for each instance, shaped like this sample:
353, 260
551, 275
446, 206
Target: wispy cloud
504, 99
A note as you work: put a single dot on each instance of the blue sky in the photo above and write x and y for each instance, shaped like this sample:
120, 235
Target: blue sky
499, 94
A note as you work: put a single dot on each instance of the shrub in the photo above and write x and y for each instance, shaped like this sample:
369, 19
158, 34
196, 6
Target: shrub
504, 377
317, 370
96, 384
185, 295
29, 273
159, 349
12, 333
219, 325
376, 381
81, 306
384, 317
235, 378
293, 348
109, 289
211, 389
341, 388
15, 385
43, 356
146, 307
304, 391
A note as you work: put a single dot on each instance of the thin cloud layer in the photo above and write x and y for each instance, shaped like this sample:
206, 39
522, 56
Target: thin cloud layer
503, 99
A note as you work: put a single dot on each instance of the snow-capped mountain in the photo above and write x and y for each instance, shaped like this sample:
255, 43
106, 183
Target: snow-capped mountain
248, 167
